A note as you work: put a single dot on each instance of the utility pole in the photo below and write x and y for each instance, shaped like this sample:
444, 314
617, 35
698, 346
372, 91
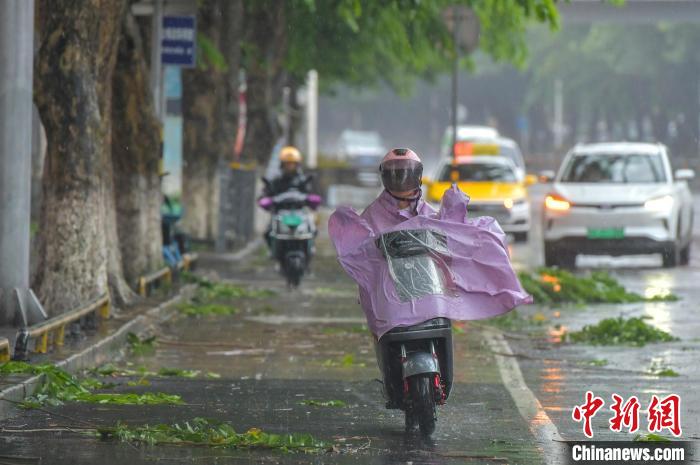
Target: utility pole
456, 19
18, 304
558, 114
463, 23
312, 119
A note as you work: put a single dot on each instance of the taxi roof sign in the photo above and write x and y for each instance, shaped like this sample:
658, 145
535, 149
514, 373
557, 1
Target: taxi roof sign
468, 148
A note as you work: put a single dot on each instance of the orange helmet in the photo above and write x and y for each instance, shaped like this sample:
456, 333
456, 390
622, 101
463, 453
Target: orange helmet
290, 154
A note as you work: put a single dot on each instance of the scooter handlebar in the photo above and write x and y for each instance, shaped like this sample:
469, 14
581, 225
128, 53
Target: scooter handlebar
265, 203
313, 200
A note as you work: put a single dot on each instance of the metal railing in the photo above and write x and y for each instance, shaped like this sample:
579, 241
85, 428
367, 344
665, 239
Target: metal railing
165, 275
53, 330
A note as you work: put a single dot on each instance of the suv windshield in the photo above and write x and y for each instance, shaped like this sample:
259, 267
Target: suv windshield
480, 172
617, 169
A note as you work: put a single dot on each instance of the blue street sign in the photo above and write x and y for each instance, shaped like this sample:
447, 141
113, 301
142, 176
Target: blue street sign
178, 44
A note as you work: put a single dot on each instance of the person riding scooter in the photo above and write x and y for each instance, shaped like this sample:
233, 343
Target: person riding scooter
417, 269
292, 177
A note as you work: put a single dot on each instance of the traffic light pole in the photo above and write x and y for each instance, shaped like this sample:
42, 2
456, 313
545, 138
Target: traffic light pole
18, 305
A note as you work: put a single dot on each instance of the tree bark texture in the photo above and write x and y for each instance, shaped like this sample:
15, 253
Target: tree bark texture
72, 82
267, 46
135, 154
210, 107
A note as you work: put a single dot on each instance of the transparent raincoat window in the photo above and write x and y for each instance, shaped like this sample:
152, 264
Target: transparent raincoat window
418, 262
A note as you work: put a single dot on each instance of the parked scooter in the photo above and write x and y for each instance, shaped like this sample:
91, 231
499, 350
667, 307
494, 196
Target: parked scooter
175, 241
292, 232
416, 361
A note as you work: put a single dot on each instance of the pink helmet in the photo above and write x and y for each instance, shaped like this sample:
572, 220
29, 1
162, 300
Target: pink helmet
401, 170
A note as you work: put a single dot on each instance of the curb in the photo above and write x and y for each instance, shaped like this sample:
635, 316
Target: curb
96, 354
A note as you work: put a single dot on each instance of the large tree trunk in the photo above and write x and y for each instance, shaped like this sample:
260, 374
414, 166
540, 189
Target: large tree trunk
135, 153
267, 40
210, 107
203, 95
73, 93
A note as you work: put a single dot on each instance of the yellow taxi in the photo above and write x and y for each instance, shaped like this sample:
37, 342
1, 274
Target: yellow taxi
494, 184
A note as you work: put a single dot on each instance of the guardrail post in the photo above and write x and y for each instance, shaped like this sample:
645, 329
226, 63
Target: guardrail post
142, 287
104, 309
42, 344
60, 335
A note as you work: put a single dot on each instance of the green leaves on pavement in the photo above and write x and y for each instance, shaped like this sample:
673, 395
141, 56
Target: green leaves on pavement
139, 346
549, 285
212, 433
323, 403
620, 331
210, 290
59, 387
346, 361
207, 309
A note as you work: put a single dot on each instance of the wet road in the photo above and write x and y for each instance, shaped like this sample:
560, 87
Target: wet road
277, 352
309, 344
560, 374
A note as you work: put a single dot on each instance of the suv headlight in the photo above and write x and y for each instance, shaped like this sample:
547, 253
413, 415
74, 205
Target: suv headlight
659, 204
556, 202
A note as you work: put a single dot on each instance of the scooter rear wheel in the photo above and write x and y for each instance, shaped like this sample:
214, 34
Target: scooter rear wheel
422, 404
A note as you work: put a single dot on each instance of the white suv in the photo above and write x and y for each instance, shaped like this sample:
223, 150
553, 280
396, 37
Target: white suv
617, 199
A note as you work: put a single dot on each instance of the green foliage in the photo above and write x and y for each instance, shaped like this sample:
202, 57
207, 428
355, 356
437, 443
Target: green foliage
346, 361
365, 42
59, 387
178, 372
209, 290
212, 433
323, 403
208, 55
598, 362
549, 285
140, 347
620, 331
110, 369
650, 437
622, 73
657, 369
207, 309
513, 321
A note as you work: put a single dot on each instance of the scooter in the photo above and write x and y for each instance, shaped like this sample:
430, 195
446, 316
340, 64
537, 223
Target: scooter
175, 242
292, 232
415, 361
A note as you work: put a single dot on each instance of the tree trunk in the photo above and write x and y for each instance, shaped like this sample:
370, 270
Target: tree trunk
210, 110
203, 89
267, 40
73, 93
135, 153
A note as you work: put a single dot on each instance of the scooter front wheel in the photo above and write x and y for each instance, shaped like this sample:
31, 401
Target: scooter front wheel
421, 408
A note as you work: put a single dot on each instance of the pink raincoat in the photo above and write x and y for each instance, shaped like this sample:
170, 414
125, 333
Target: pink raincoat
481, 279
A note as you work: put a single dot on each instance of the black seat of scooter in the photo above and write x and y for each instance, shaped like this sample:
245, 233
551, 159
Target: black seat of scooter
435, 323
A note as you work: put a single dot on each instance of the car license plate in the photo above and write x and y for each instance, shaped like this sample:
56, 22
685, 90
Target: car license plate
606, 233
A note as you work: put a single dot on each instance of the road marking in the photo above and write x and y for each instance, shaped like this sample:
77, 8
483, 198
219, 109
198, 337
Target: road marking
541, 426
